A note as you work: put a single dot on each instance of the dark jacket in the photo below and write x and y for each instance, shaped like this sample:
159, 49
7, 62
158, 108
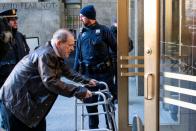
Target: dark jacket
15, 50
114, 31
32, 87
22, 48
93, 45
11, 53
4, 29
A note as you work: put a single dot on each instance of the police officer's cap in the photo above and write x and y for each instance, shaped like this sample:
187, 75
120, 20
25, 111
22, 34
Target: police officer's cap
9, 13
89, 12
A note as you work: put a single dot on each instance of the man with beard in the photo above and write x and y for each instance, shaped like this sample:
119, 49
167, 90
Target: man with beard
31, 89
15, 50
93, 58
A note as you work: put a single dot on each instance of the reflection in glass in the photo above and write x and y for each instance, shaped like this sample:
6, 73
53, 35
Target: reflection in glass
136, 82
178, 66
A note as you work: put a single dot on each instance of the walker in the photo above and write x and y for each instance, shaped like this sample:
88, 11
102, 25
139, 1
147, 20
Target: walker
106, 101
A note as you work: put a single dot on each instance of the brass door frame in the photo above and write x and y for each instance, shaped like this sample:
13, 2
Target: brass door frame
151, 71
122, 13
151, 64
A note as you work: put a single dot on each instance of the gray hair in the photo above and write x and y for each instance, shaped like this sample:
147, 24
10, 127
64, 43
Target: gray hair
62, 35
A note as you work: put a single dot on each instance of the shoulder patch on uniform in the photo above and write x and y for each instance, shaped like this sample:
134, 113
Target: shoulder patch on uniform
81, 30
98, 31
83, 34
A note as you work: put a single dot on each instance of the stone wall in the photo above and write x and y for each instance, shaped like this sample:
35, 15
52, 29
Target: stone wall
38, 19
11, 1
14, 1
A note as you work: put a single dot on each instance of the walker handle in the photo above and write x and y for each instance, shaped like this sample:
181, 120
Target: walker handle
105, 84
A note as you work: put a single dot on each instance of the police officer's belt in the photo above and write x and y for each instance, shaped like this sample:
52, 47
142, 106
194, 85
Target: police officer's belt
98, 68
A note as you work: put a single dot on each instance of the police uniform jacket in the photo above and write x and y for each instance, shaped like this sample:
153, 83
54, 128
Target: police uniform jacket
32, 87
93, 45
11, 53
15, 50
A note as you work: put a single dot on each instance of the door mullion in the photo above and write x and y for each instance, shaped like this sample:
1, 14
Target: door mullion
151, 65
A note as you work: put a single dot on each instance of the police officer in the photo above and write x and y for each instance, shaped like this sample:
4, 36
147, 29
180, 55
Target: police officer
92, 55
113, 29
5, 36
15, 50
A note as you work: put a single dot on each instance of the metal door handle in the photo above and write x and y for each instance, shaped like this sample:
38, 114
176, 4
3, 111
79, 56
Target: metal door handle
148, 91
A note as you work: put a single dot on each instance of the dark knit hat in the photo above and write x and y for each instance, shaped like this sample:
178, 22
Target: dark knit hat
89, 12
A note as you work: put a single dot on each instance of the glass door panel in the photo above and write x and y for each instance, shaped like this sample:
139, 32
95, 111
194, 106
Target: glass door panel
178, 65
131, 62
134, 59
143, 64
